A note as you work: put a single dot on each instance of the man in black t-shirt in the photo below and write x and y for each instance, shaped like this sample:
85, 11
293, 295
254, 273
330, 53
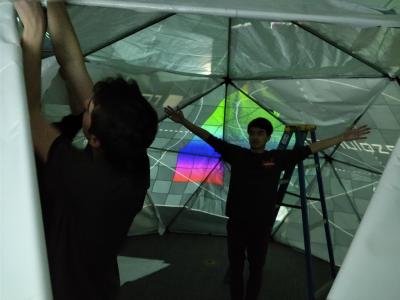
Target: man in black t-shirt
255, 174
89, 197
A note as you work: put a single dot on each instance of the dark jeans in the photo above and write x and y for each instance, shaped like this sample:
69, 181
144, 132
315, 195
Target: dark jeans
253, 238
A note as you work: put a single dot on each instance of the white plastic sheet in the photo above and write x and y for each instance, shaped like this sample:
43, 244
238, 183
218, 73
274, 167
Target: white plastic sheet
23, 261
371, 268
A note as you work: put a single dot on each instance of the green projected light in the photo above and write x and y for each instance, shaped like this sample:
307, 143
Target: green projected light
240, 111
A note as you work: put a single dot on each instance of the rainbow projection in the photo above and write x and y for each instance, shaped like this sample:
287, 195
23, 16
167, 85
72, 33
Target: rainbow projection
198, 162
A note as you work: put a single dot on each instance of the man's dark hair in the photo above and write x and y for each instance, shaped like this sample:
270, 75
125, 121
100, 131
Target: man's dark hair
123, 120
261, 123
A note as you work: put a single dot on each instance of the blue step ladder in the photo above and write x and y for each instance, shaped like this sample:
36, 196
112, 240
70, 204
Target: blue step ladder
301, 132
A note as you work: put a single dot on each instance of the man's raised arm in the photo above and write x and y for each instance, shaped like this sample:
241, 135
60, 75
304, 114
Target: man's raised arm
177, 116
69, 56
31, 15
349, 135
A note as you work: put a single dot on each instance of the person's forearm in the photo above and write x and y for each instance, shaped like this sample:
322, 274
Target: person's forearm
69, 56
324, 144
63, 37
31, 51
200, 132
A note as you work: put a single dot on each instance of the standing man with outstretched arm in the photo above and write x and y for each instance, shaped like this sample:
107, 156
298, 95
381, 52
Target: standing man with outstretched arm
89, 197
250, 205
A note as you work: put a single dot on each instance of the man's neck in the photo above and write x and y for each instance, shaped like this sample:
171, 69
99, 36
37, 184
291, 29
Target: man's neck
257, 150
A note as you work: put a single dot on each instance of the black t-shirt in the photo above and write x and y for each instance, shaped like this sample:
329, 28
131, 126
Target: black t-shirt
254, 179
88, 206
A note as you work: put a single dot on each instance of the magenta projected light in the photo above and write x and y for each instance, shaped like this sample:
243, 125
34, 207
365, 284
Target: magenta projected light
205, 165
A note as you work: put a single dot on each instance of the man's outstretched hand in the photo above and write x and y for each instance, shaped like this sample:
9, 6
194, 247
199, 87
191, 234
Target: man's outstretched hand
355, 133
175, 115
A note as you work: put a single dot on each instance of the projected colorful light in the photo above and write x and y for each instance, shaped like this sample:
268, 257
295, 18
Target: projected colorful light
241, 111
198, 162
199, 168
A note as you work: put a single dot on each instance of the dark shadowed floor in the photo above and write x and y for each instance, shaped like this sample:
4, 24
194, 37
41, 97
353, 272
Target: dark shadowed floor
182, 266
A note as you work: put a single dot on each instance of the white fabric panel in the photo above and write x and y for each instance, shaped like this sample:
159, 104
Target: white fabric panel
329, 11
262, 49
371, 268
134, 268
23, 261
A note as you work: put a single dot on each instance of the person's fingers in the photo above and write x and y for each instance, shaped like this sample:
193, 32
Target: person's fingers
363, 128
168, 109
364, 131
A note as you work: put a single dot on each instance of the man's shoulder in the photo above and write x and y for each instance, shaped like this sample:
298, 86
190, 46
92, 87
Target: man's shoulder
62, 149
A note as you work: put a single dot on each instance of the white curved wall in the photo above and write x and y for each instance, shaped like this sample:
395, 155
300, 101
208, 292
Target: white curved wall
23, 260
371, 269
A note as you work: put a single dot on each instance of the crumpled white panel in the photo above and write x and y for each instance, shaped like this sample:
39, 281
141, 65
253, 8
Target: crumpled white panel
377, 45
23, 261
371, 268
330, 11
261, 49
182, 43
